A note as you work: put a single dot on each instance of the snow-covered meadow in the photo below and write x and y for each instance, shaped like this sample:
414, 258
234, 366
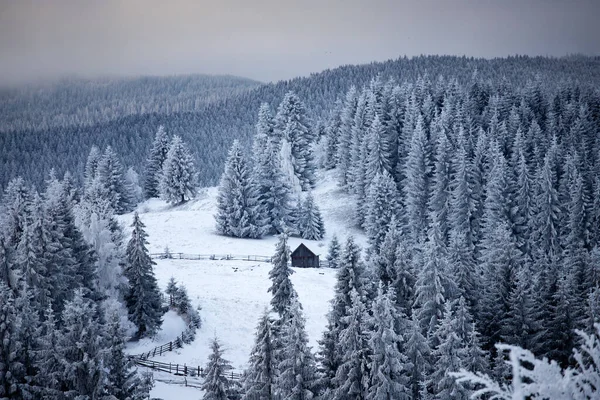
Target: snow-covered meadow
233, 293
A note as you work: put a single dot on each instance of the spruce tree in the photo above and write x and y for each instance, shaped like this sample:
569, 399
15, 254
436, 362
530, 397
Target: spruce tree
382, 207
154, 163
49, 380
379, 153
216, 384
80, 349
111, 181
351, 379
281, 288
389, 364
333, 253
419, 357
296, 379
91, 169
345, 140
123, 381
450, 356
417, 184
179, 178
259, 379
10, 366
311, 223
292, 126
239, 212
143, 296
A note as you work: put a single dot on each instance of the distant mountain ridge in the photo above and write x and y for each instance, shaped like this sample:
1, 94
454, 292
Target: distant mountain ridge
78, 101
210, 129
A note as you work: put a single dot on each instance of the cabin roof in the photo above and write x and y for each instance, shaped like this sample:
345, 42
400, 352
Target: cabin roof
303, 249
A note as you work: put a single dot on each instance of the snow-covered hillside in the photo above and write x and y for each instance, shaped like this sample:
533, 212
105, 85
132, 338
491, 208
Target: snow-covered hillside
233, 294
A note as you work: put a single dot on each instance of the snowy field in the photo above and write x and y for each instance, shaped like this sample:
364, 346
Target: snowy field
233, 294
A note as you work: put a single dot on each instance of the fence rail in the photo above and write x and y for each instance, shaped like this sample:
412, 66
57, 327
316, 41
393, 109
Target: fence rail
182, 370
187, 256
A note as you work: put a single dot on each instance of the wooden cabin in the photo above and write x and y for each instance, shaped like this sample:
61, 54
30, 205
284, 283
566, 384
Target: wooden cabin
302, 257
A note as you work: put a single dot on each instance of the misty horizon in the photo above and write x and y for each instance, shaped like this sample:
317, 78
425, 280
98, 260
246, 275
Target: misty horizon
268, 42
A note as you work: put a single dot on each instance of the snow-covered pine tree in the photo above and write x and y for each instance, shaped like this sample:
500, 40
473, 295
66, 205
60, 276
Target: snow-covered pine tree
26, 336
181, 300
122, 379
352, 376
345, 139
333, 252
296, 379
259, 378
178, 179
291, 125
382, 207
433, 286
111, 181
311, 223
80, 349
239, 212
461, 247
171, 291
419, 357
500, 259
281, 288
143, 296
379, 153
15, 205
91, 169
154, 163
417, 183
273, 188
389, 365
439, 202
49, 379
332, 135
216, 384
10, 366
449, 357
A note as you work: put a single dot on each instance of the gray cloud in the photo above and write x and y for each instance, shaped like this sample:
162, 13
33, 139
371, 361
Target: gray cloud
271, 40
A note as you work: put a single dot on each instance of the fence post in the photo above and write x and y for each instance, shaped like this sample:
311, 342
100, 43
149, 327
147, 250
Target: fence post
198, 370
170, 346
169, 367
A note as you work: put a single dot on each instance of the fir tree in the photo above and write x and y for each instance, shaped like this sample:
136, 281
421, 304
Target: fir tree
178, 179
352, 377
154, 163
282, 288
10, 366
345, 140
333, 253
417, 183
450, 355
419, 354
112, 183
122, 378
91, 169
171, 291
143, 297
49, 380
382, 207
216, 385
379, 154
80, 349
311, 224
292, 126
260, 376
297, 370
239, 212
389, 364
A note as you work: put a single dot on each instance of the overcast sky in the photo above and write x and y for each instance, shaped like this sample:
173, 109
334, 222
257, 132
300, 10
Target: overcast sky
270, 40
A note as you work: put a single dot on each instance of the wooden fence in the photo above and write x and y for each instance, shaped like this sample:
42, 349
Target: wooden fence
181, 370
186, 256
